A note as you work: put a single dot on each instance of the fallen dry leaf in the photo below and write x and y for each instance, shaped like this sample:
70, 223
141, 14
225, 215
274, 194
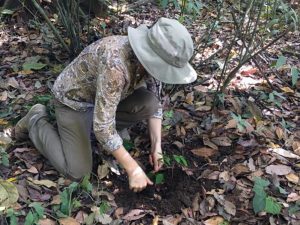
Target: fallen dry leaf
229, 207
135, 214
291, 177
240, 169
278, 169
33, 170
46, 222
46, 183
293, 197
208, 143
172, 220
231, 124
103, 170
216, 220
222, 141
204, 152
284, 153
68, 221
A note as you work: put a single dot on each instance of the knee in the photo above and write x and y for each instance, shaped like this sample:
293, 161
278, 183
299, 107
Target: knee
77, 173
149, 104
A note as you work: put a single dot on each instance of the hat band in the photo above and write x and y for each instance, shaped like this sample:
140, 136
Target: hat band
160, 48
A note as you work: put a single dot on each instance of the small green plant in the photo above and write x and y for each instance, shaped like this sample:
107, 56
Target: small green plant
158, 178
67, 202
186, 7
170, 161
3, 157
104, 207
241, 123
36, 213
263, 202
180, 160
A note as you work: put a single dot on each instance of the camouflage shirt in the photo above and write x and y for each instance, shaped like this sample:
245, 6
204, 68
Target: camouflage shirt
101, 76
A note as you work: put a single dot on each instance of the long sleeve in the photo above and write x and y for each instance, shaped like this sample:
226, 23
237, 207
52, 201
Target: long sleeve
155, 87
108, 94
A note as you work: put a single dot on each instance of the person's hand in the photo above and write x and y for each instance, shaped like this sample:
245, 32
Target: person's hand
138, 180
156, 158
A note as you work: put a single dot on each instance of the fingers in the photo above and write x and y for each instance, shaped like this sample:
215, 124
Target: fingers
151, 160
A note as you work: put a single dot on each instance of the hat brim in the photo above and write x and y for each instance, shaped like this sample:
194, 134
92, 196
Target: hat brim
154, 64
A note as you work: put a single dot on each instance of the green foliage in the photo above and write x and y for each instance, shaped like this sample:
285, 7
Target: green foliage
180, 160
272, 206
294, 208
169, 114
11, 215
34, 215
3, 157
67, 202
276, 98
31, 63
128, 145
186, 7
241, 123
263, 202
42, 99
159, 178
86, 184
280, 62
295, 75
104, 207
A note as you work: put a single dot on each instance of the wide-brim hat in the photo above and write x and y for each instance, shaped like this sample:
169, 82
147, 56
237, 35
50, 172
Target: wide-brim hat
164, 50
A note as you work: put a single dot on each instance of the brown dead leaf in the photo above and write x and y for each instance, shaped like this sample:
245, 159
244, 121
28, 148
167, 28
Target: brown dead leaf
196, 202
255, 110
46, 222
55, 200
172, 220
3, 96
293, 197
216, 220
135, 214
279, 132
201, 88
33, 170
81, 216
249, 71
119, 212
229, 207
178, 144
12, 82
278, 169
291, 177
155, 220
221, 141
287, 90
204, 152
47, 183
103, 170
231, 124
203, 108
208, 143
68, 221
240, 169
189, 98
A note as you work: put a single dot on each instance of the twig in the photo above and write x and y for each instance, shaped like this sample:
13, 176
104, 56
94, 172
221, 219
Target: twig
55, 31
236, 69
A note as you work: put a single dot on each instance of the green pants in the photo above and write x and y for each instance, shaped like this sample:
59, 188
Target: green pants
69, 148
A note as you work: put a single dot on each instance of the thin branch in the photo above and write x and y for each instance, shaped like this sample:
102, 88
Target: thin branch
55, 31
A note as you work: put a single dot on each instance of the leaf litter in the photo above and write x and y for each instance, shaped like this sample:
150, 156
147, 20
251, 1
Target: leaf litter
224, 153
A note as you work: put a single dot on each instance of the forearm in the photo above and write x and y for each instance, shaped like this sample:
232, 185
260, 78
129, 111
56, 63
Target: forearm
125, 159
154, 125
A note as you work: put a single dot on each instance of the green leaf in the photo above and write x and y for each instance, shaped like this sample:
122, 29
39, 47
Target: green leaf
86, 184
159, 178
13, 220
260, 184
259, 202
280, 62
33, 66
169, 114
29, 220
180, 159
104, 207
295, 75
272, 206
4, 159
65, 202
8, 194
164, 3
38, 208
128, 145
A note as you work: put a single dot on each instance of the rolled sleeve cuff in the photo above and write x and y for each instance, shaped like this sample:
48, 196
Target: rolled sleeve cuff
158, 114
114, 143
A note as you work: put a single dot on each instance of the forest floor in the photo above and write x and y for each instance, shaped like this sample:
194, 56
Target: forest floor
235, 163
